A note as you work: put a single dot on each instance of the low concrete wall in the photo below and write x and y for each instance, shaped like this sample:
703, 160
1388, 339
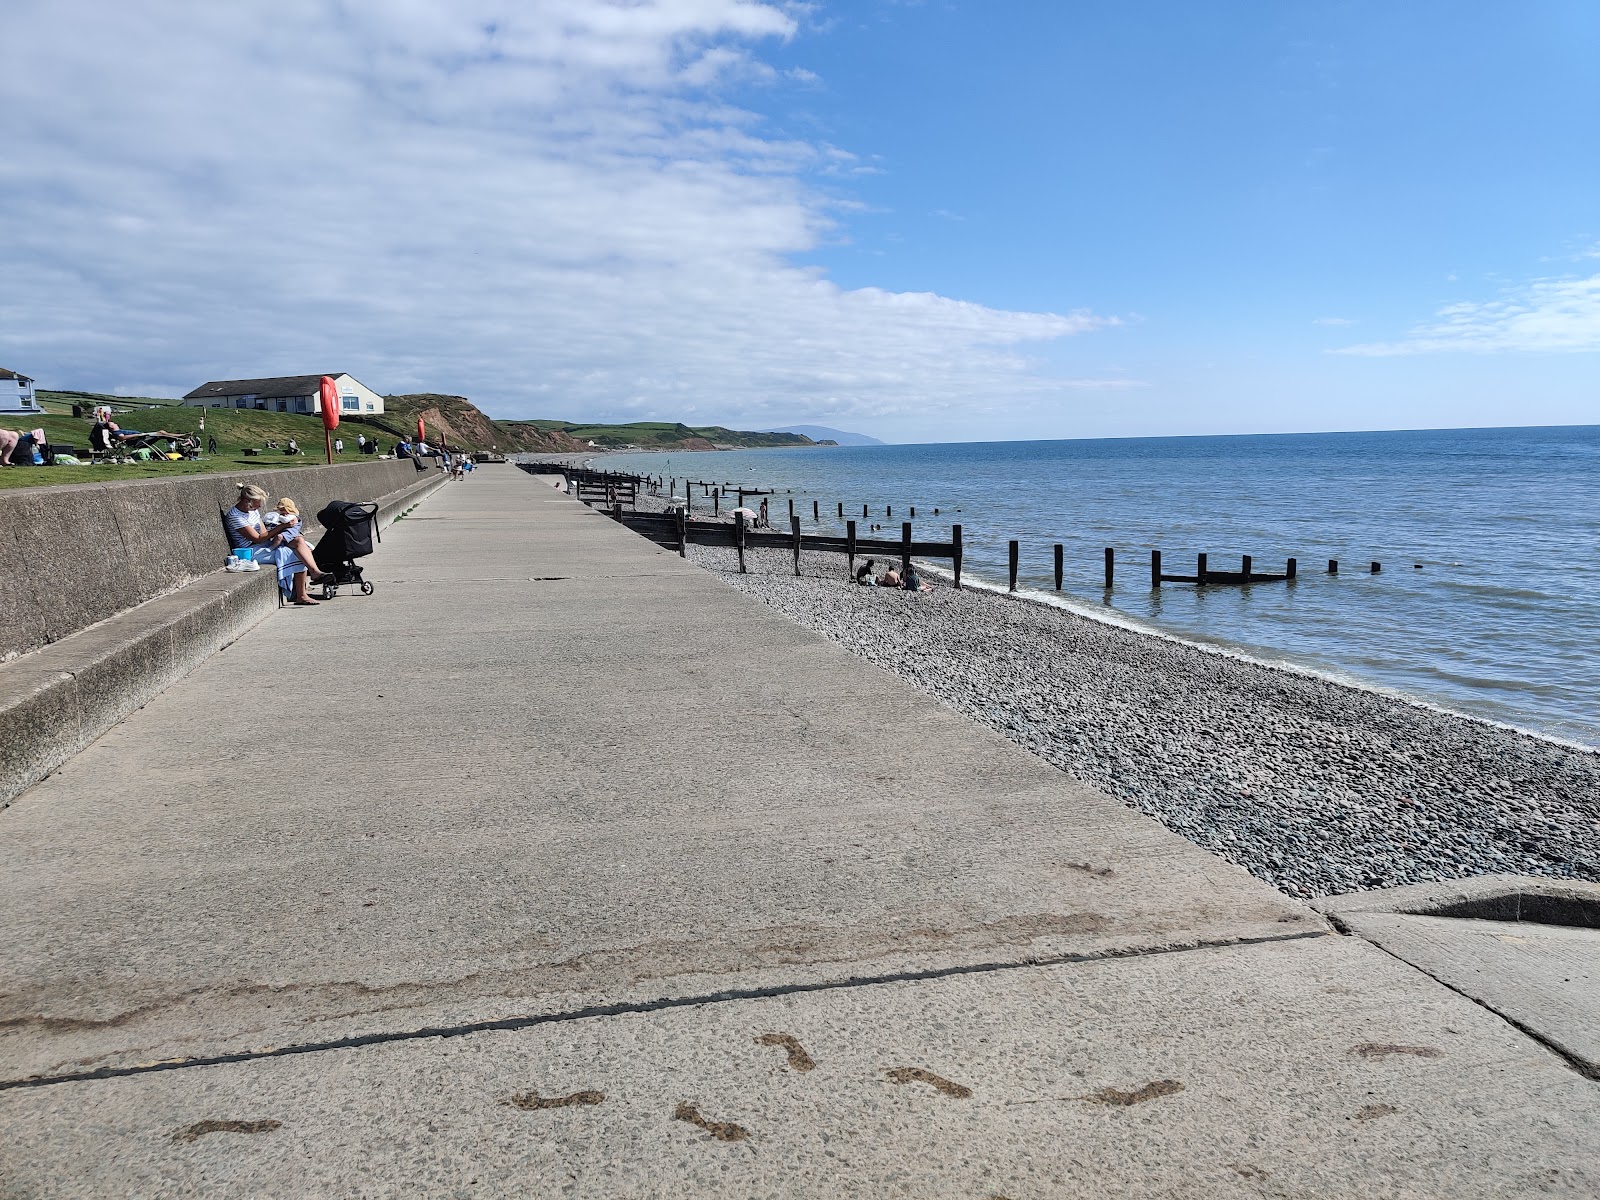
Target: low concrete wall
57, 699
72, 556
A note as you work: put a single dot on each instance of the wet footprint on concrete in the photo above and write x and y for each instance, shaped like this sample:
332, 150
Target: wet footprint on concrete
199, 1129
1384, 1050
725, 1131
1373, 1111
533, 1102
1153, 1090
956, 1091
799, 1060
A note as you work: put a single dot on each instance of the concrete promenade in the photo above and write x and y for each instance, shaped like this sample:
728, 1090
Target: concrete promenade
557, 868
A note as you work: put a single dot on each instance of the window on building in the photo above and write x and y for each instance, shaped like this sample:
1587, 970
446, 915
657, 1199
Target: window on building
351, 403
302, 404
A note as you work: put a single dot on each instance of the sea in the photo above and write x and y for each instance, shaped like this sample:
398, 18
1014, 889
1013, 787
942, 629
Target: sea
1488, 598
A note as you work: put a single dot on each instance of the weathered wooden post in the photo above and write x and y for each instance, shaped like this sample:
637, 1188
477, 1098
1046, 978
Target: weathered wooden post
791, 510
794, 528
1155, 569
688, 497
850, 543
738, 538
1058, 566
955, 553
1200, 570
841, 510
616, 512
1289, 570
863, 512
905, 549
716, 502
888, 511
1111, 565
913, 512
1376, 567
816, 512
683, 535
1013, 575
1333, 566
1245, 569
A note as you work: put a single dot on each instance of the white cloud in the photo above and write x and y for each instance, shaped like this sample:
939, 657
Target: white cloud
545, 206
1335, 322
1544, 316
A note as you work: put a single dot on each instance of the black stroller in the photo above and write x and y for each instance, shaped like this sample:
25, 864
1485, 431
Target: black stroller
348, 532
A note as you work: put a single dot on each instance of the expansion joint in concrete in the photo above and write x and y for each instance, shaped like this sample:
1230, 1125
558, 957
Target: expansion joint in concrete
1581, 1066
591, 1012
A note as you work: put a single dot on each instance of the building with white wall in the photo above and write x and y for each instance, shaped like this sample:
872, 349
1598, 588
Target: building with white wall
287, 393
16, 393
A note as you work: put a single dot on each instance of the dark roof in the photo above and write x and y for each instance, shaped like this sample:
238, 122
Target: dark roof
266, 389
5, 374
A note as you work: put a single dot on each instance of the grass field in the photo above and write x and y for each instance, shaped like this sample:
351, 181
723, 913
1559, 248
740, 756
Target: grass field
234, 429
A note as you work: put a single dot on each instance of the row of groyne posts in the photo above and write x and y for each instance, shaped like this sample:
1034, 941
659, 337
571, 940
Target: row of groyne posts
618, 494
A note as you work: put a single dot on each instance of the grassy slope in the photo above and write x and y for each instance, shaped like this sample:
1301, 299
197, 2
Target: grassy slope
234, 429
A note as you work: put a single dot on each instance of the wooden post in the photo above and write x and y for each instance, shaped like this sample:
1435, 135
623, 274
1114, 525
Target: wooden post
1200, 570
616, 513
841, 510
1111, 565
794, 528
1245, 569
688, 497
1013, 575
955, 558
913, 512
1058, 566
1376, 567
791, 510
888, 511
738, 538
1288, 571
1155, 569
863, 512
716, 503
1333, 566
905, 549
816, 512
683, 535
850, 543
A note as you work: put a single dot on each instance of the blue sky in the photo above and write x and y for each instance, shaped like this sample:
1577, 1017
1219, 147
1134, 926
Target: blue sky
922, 221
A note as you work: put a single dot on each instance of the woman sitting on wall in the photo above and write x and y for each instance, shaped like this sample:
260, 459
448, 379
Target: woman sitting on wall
288, 551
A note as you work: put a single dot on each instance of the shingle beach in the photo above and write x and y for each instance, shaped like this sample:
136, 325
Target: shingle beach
1314, 786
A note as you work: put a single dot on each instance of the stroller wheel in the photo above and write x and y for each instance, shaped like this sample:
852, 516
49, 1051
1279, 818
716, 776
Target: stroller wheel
366, 588
330, 590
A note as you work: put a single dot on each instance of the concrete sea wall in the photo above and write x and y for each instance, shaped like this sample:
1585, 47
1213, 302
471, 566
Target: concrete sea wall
111, 592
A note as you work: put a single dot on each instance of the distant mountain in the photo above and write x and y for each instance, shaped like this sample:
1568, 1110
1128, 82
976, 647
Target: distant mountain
821, 433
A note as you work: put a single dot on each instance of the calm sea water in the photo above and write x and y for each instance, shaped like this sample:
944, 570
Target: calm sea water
1489, 598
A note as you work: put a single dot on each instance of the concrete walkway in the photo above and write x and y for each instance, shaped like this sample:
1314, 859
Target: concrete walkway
556, 867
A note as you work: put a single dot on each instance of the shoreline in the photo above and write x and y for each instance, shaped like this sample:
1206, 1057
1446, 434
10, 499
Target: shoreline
1313, 784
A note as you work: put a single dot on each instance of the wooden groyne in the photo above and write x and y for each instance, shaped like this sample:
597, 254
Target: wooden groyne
618, 494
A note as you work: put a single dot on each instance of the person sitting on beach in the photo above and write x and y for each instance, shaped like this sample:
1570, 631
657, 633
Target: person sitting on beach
889, 579
864, 574
287, 550
913, 582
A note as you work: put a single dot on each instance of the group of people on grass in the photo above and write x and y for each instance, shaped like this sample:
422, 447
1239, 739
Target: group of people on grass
274, 538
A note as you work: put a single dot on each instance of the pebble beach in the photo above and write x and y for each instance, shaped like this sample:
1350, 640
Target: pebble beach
1314, 786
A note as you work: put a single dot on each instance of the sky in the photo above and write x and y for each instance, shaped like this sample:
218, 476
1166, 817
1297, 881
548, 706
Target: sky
920, 221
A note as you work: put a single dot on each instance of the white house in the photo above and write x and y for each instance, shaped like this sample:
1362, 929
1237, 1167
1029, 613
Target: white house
286, 393
16, 393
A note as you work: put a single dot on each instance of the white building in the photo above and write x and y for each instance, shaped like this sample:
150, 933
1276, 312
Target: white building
16, 393
286, 393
